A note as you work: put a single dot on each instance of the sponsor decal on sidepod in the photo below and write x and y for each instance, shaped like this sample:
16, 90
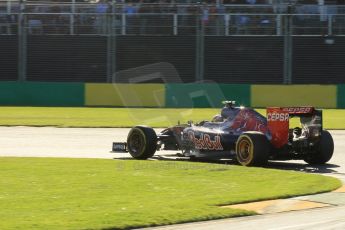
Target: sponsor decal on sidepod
205, 142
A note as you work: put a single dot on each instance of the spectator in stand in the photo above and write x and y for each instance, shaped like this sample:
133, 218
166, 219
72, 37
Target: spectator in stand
5, 25
205, 14
55, 20
13, 18
234, 1
242, 23
144, 18
35, 22
182, 11
220, 18
102, 8
265, 22
130, 10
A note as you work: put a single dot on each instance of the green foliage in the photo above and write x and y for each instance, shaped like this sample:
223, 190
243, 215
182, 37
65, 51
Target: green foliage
52, 193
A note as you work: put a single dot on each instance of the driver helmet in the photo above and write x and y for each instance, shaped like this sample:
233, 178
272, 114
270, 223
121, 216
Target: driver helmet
229, 111
217, 118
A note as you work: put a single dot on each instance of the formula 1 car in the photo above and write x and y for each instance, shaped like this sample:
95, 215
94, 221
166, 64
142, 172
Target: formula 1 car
241, 133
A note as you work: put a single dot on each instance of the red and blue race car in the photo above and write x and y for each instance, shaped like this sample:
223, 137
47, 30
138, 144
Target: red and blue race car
241, 133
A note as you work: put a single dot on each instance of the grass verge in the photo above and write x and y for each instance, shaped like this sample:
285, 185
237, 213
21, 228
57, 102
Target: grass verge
124, 117
48, 193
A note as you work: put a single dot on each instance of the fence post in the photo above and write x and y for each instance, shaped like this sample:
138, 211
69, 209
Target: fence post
111, 43
71, 18
279, 24
330, 24
227, 24
123, 24
288, 46
22, 42
175, 30
8, 7
8, 10
200, 37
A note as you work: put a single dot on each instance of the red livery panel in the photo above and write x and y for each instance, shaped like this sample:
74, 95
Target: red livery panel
278, 124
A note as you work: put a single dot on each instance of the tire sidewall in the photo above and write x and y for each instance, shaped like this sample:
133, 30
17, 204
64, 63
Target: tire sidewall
324, 152
141, 132
259, 149
249, 159
149, 144
327, 146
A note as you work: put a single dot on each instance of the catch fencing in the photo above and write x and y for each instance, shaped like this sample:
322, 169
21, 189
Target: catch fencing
96, 42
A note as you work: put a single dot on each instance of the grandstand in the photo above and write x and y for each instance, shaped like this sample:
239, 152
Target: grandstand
227, 41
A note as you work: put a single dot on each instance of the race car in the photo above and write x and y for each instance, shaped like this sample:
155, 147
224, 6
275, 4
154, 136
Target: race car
240, 133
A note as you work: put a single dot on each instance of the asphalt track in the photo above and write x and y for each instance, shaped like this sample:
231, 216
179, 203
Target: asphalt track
96, 143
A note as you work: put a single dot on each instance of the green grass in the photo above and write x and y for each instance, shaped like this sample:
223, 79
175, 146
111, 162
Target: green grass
123, 117
48, 193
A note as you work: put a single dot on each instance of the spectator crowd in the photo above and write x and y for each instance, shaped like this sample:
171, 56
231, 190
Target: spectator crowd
152, 16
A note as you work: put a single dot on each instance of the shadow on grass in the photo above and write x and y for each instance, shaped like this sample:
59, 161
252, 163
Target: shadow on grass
303, 167
282, 165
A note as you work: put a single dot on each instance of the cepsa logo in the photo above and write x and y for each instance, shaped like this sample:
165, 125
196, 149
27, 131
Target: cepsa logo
277, 116
205, 142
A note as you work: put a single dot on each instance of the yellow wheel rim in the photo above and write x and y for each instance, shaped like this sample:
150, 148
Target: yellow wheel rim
244, 150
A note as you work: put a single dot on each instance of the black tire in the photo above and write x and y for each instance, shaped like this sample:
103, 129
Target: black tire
325, 150
252, 149
142, 142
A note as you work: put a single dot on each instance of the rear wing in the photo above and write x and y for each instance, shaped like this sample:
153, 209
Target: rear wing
278, 121
297, 110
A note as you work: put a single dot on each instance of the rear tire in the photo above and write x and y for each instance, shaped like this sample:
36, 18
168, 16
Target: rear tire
325, 152
142, 142
252, 149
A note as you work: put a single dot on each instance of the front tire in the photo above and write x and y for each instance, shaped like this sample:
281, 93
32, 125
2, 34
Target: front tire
325, 150
252, 149
142, 142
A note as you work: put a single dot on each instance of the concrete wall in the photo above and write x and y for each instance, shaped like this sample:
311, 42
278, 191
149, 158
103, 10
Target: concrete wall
131, 95
323, 96
169, 95
41, 94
